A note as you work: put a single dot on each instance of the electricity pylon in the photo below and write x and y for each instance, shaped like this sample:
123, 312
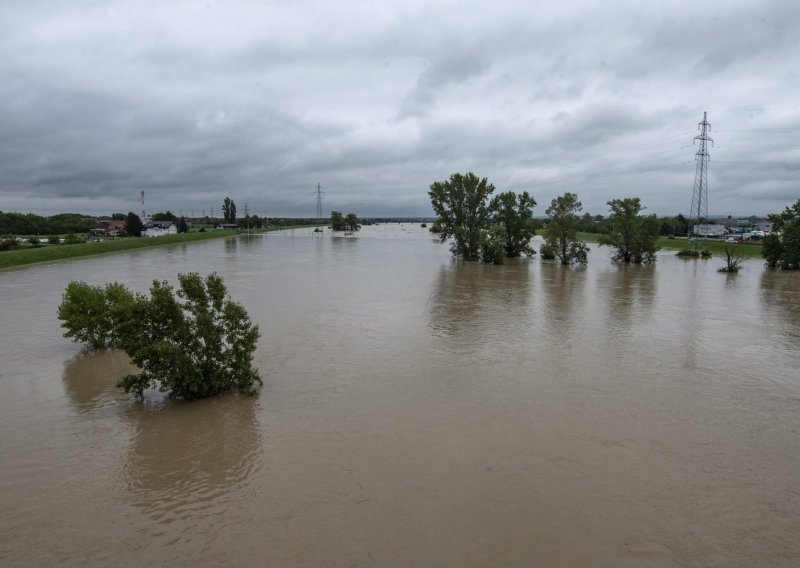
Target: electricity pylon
698, 213
319, 194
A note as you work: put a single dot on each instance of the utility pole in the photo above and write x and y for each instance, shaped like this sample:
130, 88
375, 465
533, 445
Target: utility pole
698, 213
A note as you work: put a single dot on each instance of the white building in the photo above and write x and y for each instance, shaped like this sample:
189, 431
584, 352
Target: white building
159, 228
708, 230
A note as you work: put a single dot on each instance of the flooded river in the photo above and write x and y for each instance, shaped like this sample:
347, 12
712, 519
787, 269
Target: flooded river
416, 411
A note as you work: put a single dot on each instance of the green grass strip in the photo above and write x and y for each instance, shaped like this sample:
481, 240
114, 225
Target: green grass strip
746, 248
48, 253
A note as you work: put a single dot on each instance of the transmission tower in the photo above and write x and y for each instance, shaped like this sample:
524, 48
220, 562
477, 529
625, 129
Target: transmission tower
699, 210
319, 193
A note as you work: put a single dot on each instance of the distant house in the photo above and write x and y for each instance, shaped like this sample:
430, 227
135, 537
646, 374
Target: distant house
159, 228
109, 228
227, 226
708, 230
765, 226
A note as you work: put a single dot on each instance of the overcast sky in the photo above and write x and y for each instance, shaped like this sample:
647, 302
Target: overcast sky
260, 101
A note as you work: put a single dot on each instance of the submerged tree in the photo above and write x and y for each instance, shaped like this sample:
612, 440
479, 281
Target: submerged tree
338, 222
514, 213
91, 314
561, 234
781, 248
633, 235
351, 221
463, 211
493, 245
733, 259
195, 345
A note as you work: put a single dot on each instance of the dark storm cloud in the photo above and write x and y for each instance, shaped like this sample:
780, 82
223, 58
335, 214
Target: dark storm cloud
261, 101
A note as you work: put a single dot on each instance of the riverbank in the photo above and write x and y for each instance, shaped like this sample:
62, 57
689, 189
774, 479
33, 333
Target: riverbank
747, 249
48, 253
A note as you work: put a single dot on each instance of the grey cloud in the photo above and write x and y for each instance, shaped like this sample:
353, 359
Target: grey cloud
262, 101
452, 70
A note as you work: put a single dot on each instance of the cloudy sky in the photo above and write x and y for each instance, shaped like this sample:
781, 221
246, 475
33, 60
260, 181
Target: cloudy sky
260, 101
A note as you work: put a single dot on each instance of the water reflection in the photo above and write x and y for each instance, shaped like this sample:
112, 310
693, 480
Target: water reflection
186, 457
779, 295
231, 244
563, 289
90, 377
480, 307
630, 294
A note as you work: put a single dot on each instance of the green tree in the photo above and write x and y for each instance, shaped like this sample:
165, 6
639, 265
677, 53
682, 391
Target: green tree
183, 227
493, 245
514, 214
633, 235
91, 314
229, 210
195, 345
781, 248
133, 225
351, 220
118, 216
338, 222
164, 216
463, 211
561, 234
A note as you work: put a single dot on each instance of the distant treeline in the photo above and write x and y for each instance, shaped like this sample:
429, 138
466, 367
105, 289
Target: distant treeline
30, 224
63, 223
667, 226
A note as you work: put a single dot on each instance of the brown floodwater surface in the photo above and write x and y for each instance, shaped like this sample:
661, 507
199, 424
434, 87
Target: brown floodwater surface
416, 411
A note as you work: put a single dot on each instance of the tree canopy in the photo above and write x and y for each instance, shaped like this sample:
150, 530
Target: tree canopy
229, 210
193, 345
632, 235
337, 221
30, 224
351, 220
91, 314
463, 210
164, 216
514, 213
781, 248
561, 236
133, 225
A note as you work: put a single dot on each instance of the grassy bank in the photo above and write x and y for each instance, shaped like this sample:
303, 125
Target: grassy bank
750, 250
47, 253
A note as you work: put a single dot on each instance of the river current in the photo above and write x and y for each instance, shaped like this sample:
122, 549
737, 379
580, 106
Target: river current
416, 411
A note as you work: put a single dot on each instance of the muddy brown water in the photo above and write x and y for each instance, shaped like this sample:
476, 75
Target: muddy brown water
416, 411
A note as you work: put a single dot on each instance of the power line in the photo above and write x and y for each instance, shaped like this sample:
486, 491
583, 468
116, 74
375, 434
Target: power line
614, 179
787, 129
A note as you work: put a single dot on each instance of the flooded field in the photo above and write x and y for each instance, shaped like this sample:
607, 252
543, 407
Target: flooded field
416, 411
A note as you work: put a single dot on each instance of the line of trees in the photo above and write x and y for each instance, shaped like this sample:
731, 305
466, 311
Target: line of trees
492, 229
30, 224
